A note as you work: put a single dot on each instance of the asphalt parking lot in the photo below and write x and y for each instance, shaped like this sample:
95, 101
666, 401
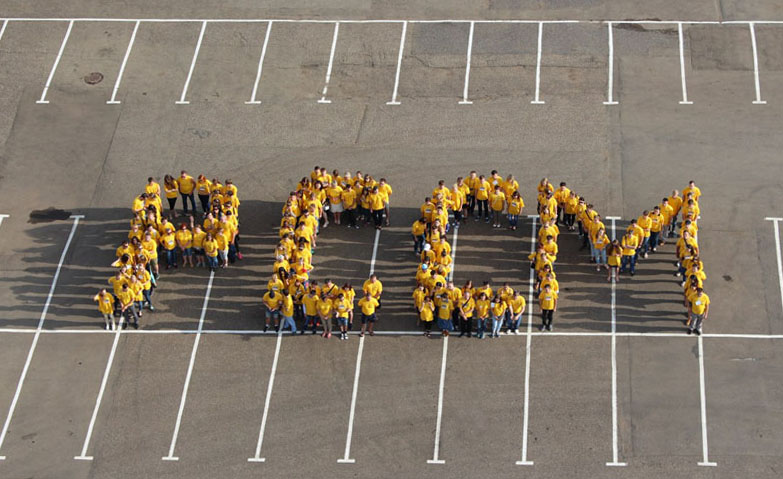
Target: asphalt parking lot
199, 391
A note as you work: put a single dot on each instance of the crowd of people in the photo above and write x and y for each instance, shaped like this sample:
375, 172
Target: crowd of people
292, 295
154, 235
436, 298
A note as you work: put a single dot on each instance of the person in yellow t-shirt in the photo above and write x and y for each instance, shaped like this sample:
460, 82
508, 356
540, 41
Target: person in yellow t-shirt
548, 302
310, 306
668, 213
656, 227
427, 315
516, 306
514, 209
466, 306
106, 307
169, 242
499, 308
445, 307
482, 198
571, 210
186, 187
368, 305
675, 201
376, 201
699, 310
211, 251
644, 222
374, 287
630, 244
287, 312
483, 306
385, 189
497, 203
185, 243
342, 307
599, 241
272, 300
614, 254
325, 313
171, 189
126, 298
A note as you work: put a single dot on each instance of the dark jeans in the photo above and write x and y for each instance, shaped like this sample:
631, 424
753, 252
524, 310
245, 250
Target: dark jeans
185, 199
350, 217
483, 205
418, 243
628, 260
171, 257
546, 316
655, 236
377, 217
471, 203
569, 219
172, 202
204, 200
466, 326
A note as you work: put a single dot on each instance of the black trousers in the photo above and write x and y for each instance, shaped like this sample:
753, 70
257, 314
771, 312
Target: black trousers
377, 217
466, 326
471, 200
547, 316
350, 217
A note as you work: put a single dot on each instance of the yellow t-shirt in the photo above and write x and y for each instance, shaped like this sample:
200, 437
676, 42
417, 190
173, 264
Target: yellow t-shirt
517, 304
310, 303
105, 303
497, 201
375, 289
425, 313
699, 303
368, 305
547, 300
186, 185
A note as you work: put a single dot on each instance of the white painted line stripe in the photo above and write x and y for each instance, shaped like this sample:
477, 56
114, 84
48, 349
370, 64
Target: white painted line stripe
182, 100
189, 374
260, 332
684, 100
253, 100
399, 65
347, 457
528, 337
610, 81
374, 251
56, 62
615, 447
453, 253
2, 217
758, 100
38, 331
775, 222
305, 20
436, 450
331, 62
257, 457
467, 67
83, 456
705, 449
537, 100
113, 100
2, 29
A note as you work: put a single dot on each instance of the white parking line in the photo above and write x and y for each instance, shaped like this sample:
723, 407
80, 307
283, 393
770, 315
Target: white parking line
189, 374
435, 459
331, 61
253, 100
399, 64
347, 457
257, 457
610, 81
43, 99
260, 332
684, 100
38, 331
537, 100
758, 100
2, 217
113, 100
182, 100
528, 336
775, 222
705, 449
467, 67
615, 448
2, 28
357, 370
83, 456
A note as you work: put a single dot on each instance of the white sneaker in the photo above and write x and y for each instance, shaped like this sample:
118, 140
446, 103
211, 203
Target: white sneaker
107, 326
517, 332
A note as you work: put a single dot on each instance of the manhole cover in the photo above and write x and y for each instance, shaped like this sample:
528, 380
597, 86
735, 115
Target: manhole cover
93, 78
